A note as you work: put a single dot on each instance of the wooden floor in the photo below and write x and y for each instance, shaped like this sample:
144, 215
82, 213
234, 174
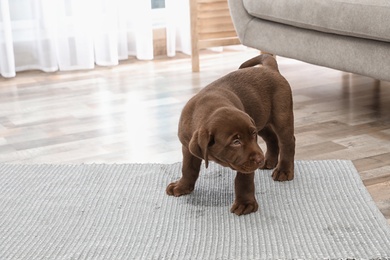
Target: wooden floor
129, 113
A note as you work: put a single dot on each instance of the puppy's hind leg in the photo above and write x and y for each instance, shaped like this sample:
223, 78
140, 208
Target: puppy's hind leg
272, 153
190, 173
284, 171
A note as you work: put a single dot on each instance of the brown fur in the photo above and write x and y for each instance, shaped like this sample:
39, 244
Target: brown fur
221, 124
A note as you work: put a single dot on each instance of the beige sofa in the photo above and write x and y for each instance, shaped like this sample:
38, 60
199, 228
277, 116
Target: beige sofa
347, 35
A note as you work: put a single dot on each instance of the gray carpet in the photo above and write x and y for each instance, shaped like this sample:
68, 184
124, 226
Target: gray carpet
121, 212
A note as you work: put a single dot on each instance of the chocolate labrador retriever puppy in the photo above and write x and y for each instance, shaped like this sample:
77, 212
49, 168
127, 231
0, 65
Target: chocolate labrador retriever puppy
221, 124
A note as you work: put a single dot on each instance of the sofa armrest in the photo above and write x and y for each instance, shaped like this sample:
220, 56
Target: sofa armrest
240, 17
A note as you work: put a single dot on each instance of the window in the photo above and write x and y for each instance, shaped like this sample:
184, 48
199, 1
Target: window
158, 13
157, 4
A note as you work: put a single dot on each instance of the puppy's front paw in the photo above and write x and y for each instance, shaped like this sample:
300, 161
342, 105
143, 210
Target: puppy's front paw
242, 208
282, 174
176, 189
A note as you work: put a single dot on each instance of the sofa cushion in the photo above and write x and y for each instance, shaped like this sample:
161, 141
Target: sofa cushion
360, 18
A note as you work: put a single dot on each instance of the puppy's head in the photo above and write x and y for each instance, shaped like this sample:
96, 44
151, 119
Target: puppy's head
229, 138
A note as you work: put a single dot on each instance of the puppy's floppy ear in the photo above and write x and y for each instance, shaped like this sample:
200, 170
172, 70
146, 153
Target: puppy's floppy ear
253, 121
199, 144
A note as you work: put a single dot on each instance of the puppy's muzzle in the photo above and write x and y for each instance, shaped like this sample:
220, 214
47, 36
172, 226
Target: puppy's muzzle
254, 163
256, 158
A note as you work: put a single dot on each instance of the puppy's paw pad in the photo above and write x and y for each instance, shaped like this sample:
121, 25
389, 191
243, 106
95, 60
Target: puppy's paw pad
282, 175
243, 208
175, 189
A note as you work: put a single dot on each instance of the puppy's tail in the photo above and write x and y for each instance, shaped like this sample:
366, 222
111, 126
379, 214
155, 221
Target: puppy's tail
266, 60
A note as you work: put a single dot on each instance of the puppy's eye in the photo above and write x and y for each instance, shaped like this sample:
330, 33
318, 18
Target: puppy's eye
236, 142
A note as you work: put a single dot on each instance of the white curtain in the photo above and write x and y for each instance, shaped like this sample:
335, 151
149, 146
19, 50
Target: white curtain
51, 35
